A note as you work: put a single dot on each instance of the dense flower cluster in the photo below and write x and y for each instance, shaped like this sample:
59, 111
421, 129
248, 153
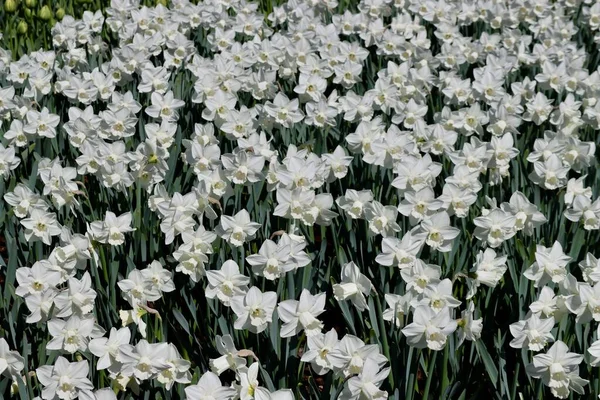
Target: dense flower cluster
128, 102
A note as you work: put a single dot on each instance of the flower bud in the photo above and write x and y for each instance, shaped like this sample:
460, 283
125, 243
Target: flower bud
31, 3
10, 6
22, 27
45, 13
60, 13
28, 13
162, 2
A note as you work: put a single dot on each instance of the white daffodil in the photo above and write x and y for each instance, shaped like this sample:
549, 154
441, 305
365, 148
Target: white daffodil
469, 328
160, 279
237, 229
36, 279
64, 380
230, 358
349, 357
320, 346
144, 360
487, 270
437, 232
11, 362
366, 384
41, 225
107, 349
353, 202
112, 230
495, 227
398, 308
532, 333
209, 387
254, 310
302, 315
550, 265
354, 286
429, 328
272, 260
559, 370
71, 335
226, 282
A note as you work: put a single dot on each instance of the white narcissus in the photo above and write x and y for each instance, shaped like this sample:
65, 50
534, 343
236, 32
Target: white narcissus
594, 351
532, 333
41, 225
209, 387
338, 162
159, 278
319, 351
144, 360
353, 202
576, 187
36, 279
349, 357
262, 393
365, 386
487, 270
429, 328
107, 349
164, 107
112, 230
586, 211
237, 229
586, 305
229, 356
354, 286
382, 219
11, 362
249, 382
254, 310
550, 174
401, 253
559, 370
177, 369
590, 269
226, 282
272, 261
420, 275
438, 296
437, 232
71, 335
398, 308
419, 205
527, 215
495, 227
546, 304
302, 315
134, 316
78, 298
136, 289
24, 200
469, 328
65, 380
549, 266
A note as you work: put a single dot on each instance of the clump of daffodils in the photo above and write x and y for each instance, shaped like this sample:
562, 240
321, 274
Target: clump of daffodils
405, 165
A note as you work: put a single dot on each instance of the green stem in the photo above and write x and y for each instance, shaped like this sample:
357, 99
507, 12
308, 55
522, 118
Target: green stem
429, 375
